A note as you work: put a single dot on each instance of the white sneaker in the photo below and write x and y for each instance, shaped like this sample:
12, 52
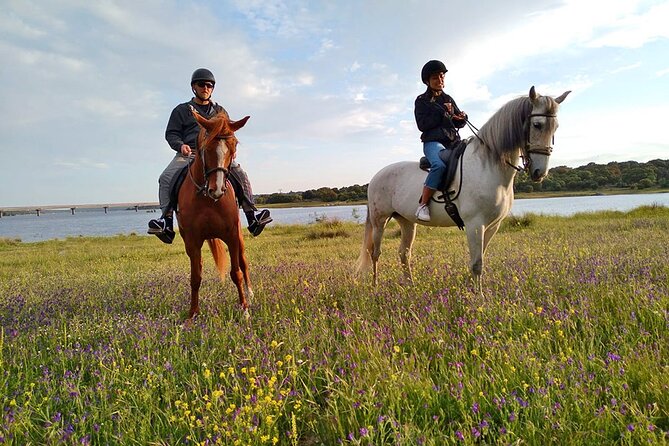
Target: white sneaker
423, 213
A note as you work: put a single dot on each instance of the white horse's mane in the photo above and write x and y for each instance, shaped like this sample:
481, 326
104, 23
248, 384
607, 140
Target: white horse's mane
506, 130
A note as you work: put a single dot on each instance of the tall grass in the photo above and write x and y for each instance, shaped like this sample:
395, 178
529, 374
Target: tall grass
568, 345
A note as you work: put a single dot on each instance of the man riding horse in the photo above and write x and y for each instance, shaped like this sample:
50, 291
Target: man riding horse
181, 134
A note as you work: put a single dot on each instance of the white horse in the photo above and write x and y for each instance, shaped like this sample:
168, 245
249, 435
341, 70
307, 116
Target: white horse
523, 128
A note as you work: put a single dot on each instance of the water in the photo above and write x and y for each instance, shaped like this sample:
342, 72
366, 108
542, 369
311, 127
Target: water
94, 222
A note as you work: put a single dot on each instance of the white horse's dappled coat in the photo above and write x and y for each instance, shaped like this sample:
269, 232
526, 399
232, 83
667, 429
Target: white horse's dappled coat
523, 128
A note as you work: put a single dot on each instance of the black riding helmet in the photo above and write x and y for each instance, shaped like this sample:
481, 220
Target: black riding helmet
202, 74
433, 66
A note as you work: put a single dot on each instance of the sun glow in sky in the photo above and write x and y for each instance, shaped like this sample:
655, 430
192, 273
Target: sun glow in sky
87, 86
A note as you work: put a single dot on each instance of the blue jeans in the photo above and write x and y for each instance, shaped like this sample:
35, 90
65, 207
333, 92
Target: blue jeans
431, 150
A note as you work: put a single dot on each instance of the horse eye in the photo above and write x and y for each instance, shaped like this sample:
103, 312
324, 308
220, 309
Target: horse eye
537, 125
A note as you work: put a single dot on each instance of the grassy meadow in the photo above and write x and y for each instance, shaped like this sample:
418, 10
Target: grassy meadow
568, 345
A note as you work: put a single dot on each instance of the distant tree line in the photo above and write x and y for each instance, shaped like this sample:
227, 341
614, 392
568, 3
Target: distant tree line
591, 177
626, 175
323, 194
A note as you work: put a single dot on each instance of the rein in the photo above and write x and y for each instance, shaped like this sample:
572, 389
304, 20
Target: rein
203, 189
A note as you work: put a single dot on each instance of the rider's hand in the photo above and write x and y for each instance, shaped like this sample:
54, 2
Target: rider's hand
185, 150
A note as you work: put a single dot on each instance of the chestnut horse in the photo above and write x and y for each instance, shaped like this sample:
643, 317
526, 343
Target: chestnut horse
208, 208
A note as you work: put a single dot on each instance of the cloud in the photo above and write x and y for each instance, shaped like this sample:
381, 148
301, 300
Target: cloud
661, 73
558, 30
326, 46
17, 27
81, 164
273, 16
625, 68
632, 29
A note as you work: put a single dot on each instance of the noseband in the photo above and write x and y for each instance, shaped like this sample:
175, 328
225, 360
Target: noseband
204, 189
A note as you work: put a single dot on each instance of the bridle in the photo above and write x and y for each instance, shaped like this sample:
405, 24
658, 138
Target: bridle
204, 189
530, 148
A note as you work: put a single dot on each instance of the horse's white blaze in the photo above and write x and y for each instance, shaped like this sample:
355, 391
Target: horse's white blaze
219, 185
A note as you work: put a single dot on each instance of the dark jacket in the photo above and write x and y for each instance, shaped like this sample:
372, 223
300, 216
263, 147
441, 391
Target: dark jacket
434, 121
182, 128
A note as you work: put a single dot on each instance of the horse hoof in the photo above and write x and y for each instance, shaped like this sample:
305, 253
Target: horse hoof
247, 315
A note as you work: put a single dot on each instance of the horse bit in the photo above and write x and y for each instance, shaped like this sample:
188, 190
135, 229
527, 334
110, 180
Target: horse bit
204, 189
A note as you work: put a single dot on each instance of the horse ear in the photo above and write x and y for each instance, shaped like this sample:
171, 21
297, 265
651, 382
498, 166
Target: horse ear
198, 117
533, 94
236, 125
562, 97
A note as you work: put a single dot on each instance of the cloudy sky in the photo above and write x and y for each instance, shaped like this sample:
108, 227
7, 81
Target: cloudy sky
86, 87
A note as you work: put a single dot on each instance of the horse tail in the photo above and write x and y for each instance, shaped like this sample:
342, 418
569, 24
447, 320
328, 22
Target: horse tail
218, 252
364, 262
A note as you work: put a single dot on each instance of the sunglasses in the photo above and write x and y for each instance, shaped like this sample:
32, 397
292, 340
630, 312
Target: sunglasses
205, 84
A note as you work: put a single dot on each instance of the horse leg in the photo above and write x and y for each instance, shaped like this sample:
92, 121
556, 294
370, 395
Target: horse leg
235, 271
244, 267
475, 240
364, 259
489, 233
377, 236
195, 255
408, 230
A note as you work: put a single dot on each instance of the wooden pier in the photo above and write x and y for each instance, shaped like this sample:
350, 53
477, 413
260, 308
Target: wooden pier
39, 210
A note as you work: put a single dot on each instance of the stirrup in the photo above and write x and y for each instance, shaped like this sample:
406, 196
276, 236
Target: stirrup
166, 237
157, 226
256, 227
263, 217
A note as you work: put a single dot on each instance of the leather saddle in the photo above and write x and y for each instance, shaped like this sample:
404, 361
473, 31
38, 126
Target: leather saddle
450, 158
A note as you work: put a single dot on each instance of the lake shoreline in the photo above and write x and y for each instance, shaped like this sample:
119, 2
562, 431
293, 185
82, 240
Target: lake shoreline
517, 196
8, 211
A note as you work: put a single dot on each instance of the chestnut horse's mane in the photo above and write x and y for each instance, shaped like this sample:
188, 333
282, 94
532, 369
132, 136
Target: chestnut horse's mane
220, 127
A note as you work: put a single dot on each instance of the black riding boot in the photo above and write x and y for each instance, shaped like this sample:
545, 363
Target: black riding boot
258, 221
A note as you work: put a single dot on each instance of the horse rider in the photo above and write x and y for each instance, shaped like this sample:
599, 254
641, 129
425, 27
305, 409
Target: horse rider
181, 134
438, 118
